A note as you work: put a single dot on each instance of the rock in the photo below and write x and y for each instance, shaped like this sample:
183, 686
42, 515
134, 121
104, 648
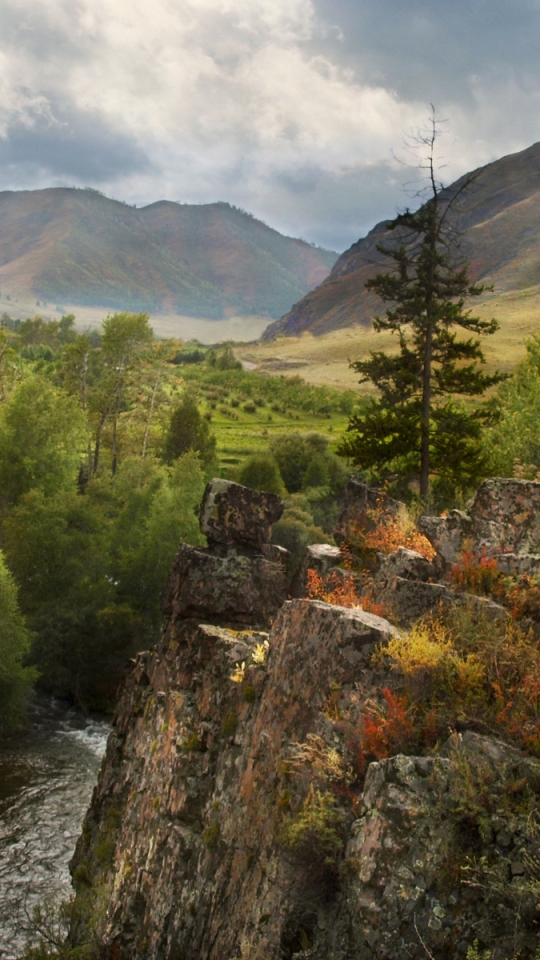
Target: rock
233, 589
357, 509
407, 564
181, 839
503, 517
319, 557
448, 535
233, 514
506, 516
405, 601
515, 565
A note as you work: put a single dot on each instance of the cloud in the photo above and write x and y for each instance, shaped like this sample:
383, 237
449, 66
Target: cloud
289, 108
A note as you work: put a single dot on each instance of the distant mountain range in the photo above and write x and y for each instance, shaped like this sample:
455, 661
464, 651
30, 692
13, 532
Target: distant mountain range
73, 246
499, 216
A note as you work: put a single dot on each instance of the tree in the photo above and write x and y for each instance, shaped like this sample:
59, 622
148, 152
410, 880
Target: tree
416, 428
15, 679
188, 430
125, 336
512, 444
42, 433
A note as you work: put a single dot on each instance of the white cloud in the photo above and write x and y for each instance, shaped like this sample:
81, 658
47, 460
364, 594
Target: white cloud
259, 102
210, 88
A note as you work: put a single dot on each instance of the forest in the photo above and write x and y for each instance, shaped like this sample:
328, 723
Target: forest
107, 439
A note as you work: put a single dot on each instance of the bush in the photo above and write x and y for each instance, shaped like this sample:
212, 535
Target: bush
261, 472
296, 530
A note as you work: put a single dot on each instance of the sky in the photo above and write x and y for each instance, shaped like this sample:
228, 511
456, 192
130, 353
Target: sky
299, 111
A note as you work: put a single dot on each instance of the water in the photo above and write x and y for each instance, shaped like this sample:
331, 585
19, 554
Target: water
47, 774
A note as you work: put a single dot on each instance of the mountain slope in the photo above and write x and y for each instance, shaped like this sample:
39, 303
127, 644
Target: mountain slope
211, 260
500, 220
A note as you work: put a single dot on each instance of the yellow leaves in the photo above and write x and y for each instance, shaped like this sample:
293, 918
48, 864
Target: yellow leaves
260, 652
237, 676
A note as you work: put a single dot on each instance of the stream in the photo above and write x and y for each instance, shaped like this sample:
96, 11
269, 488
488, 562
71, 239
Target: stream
47, 773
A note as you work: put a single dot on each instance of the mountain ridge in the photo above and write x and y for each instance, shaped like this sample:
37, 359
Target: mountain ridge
207, 260
499, 218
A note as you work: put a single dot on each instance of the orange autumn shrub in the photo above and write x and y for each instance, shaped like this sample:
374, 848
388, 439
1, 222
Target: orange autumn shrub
387, 532
477, 574
341, 592
385, 729
480, 574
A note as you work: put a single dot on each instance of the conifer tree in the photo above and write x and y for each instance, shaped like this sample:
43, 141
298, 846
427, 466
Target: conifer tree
418, 427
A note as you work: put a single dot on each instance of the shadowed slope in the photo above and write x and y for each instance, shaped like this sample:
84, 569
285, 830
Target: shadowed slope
210, 260
499, 216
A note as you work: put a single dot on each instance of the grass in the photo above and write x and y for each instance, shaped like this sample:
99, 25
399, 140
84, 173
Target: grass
325, 359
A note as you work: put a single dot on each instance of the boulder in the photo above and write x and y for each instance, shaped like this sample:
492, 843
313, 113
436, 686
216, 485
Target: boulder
502, 517
407, 564
232, 589
406, 899
448, 534
322, 558
233, 514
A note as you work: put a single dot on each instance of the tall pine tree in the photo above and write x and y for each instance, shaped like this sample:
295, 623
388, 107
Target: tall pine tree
419, 427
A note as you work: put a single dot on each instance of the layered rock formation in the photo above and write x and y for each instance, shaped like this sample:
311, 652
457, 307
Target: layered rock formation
229, 822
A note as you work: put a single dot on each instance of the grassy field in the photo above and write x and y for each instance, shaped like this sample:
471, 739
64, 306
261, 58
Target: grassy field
325, 359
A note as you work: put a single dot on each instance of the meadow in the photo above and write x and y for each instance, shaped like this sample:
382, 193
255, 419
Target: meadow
325, 359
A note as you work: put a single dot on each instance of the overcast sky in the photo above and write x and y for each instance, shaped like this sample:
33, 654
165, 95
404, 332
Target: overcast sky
291, 109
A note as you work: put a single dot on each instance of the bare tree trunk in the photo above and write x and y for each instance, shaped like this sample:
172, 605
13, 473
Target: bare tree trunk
101, 424
148, 419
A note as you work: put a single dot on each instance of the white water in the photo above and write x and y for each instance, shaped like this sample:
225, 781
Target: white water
47, 774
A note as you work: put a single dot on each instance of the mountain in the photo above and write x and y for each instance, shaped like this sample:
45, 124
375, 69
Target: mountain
499, 217
210, 260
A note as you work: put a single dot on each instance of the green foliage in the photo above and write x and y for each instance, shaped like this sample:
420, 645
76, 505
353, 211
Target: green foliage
15, 679
315, 831
41, 436
48, 935
516, 434
223, 359
230, 723
261, 472
211, 836
188, 430
92, 570
294, 453
297, 529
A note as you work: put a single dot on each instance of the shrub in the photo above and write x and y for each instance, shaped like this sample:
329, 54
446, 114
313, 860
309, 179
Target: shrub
315, 832
385, 532
261, 472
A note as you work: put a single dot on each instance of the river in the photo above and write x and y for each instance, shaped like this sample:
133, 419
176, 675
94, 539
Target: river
47, 773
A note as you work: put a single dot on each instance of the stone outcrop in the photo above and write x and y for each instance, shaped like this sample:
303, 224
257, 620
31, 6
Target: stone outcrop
182, 838
240, 578
233, 514
503, 517
226, 733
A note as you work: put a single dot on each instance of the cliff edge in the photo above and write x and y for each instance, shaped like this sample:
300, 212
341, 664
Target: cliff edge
233, 819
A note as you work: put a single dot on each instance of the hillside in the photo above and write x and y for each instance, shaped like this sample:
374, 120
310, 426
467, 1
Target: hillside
211, 260
500, 220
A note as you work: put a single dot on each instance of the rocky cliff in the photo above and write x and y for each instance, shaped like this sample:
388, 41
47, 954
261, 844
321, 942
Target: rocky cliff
233, 819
